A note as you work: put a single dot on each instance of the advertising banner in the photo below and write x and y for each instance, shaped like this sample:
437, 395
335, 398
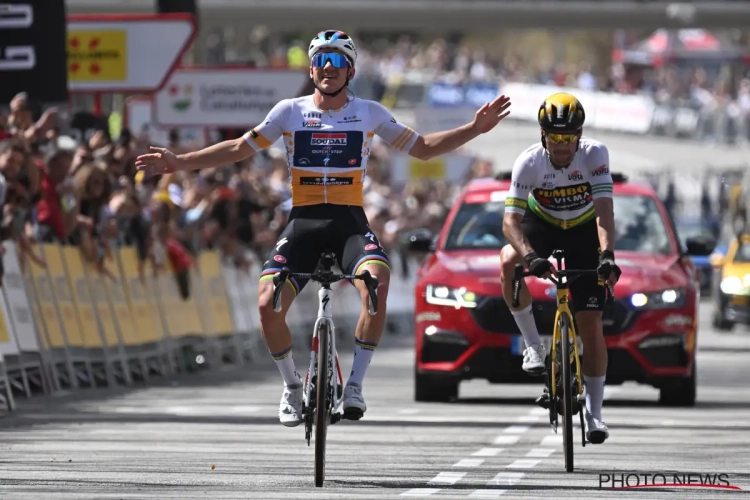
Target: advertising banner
125, 53
224, 97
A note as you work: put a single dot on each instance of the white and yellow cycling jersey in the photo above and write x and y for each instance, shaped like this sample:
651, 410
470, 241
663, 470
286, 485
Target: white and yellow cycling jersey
562, 197
327, 151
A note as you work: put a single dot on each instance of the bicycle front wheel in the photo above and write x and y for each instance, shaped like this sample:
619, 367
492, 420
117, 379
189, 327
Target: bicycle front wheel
322, 414
567, 391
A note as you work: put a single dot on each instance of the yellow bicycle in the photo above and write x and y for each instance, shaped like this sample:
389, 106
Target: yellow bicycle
566, 386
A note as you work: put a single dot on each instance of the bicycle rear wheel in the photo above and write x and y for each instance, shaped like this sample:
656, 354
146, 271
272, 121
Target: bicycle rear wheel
322, 413
567, 389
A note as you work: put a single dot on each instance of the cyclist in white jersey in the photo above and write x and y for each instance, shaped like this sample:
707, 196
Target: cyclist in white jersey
328, 137
561, 198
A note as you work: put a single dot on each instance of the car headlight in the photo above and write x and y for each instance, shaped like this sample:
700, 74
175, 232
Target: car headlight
659, 300
733, 285
446, 296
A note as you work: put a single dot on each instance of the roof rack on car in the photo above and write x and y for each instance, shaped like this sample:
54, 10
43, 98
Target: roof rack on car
504, 176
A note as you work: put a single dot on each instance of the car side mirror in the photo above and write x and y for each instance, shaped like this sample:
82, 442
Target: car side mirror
700, 247
420, 241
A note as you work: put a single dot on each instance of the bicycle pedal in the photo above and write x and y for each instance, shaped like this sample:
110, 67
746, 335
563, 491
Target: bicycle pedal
543, 401
353, 414
335, 418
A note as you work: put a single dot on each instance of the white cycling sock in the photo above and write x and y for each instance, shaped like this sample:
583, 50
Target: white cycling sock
363, 351
525, 321
594, 395
285, 364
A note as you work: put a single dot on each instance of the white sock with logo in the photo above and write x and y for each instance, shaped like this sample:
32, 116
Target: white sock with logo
525, 321
594, 395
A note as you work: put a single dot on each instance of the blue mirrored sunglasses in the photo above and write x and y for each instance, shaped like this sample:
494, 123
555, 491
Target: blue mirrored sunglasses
320, 59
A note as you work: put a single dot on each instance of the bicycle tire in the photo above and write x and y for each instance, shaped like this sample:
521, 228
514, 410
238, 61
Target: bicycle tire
567, 388
322, 415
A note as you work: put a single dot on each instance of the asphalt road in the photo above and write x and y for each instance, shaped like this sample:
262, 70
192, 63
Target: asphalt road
161, 442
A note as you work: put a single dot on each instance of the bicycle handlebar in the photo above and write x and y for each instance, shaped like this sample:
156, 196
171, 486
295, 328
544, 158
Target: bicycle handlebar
570, 274
326, 278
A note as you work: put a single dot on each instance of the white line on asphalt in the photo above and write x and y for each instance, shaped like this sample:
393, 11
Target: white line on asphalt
610, 391
524, 464
487, 452
408, 411
420, 492
506, 479
507, 439
539, 411
529, 418
552, 440
447, 478
487, 493
517, 429
540, 453
469, 462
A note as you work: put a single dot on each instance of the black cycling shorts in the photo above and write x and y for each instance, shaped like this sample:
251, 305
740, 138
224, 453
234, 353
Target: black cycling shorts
581, 247
311, 230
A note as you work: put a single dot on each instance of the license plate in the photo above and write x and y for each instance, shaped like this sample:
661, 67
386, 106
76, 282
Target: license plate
519, 345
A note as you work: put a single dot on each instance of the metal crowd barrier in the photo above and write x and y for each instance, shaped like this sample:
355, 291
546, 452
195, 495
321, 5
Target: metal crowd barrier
67, 328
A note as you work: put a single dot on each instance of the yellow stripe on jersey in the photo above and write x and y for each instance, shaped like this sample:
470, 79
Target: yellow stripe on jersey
257, 138
403, 139
313, 188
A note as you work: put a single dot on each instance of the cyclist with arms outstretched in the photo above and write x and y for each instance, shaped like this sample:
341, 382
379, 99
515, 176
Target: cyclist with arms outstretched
561, 198
328, 138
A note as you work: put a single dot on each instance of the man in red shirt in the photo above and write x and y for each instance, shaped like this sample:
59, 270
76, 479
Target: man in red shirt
49, 209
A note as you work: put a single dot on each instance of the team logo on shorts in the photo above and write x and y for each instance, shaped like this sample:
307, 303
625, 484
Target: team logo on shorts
279, 258
371, 247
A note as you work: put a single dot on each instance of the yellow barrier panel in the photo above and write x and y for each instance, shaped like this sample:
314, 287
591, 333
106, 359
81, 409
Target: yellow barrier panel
216, 292
82, 297
4, 333
64, 296
47, 306
145, 313
128, 330
99, 290
170, 301
36, 312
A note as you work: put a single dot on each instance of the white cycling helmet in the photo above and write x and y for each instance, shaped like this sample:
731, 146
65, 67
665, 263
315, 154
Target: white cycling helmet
334, 39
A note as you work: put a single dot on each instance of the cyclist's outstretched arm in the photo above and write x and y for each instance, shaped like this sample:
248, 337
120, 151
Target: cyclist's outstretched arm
223, 153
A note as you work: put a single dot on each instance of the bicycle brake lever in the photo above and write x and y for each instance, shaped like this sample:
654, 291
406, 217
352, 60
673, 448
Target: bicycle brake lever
278, 281
610, 295
371, 282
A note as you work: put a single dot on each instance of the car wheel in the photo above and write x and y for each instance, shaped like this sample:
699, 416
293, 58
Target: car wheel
722, 323
679, 392
431, 388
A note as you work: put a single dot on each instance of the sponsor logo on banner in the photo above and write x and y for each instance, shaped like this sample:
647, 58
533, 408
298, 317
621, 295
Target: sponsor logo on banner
107, 54
97, 55
32, 50
227, 97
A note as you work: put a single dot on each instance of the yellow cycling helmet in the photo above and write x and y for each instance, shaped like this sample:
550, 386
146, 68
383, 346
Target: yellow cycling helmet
561, 113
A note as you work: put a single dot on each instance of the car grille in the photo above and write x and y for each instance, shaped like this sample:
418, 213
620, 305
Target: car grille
493, 315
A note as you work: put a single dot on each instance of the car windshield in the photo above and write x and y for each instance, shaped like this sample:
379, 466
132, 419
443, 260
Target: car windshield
477, 225
639, 226
685, 231
743, 253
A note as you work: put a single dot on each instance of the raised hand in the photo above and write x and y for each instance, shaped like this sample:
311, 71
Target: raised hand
161, 161
489, 115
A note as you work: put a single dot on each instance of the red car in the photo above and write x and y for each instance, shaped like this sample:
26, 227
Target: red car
464, 330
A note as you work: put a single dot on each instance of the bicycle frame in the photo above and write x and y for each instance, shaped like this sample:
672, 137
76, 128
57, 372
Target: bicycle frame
563, 308
325, 296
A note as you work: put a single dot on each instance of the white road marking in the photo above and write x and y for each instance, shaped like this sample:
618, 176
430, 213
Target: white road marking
469, 462
507, 439
408, 411
529, 418
506, 479
553, 440
420, 492
540, 453
447, 478
487, 452
517, 429
524, 464
487, 493
610, 391
539, 411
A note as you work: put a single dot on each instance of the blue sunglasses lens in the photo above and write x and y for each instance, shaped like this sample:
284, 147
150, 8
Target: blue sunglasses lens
337, 60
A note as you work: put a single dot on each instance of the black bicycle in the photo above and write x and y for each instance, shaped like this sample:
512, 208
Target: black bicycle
566, 387
323, 356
